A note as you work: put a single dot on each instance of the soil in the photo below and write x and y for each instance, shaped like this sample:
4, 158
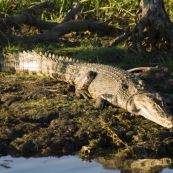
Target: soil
40, 116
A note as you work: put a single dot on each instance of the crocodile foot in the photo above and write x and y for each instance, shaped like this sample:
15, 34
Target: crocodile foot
83, 84
84, 93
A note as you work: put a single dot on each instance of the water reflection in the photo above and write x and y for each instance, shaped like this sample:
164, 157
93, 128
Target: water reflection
136, 166
70, 164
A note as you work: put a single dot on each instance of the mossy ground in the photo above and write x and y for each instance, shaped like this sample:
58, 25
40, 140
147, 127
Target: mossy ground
42, 116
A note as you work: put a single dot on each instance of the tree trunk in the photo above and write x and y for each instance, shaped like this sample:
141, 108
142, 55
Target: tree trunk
153, 30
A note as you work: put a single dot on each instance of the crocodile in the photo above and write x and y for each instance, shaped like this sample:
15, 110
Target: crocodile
104, 83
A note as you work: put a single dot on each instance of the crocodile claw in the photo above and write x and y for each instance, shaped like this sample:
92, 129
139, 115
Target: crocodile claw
83, 93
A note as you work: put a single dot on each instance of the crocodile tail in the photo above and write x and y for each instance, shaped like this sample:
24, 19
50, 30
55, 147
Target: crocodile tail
8, 63
34, 63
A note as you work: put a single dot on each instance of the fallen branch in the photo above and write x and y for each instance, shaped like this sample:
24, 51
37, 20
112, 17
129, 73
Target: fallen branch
28, 19
46, 4
71, 14
120, 39
160, 78
52, 30
74, 26
143, 69
7, 38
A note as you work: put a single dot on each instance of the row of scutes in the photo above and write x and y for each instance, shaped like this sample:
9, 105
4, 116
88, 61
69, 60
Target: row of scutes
47, 58
58, 58
17, 56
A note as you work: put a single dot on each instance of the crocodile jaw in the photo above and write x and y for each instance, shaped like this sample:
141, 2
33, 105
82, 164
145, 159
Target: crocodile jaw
152, 107
165, 122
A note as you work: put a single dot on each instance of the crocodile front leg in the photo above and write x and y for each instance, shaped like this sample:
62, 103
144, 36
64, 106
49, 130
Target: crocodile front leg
105, 99
100, 102
83, 83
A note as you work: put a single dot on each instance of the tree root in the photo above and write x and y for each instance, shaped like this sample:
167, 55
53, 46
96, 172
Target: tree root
154, 30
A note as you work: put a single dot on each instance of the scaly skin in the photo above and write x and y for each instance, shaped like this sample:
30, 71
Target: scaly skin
102, 82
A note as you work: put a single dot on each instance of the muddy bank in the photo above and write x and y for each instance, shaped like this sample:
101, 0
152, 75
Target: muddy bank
41, 116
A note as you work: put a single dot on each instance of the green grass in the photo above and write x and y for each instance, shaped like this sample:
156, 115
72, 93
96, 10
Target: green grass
90, 47
87, 50
167, 62
104, 10
169, 7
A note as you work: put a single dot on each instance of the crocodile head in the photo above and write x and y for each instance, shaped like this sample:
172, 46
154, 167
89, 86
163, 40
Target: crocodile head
151, 106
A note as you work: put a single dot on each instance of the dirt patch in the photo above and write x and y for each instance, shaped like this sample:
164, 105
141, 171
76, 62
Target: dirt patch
41, 116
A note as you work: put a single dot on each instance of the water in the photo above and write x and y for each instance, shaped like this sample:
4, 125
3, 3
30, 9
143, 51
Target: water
72, 164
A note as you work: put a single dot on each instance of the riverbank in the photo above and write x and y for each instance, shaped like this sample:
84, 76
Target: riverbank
43, 117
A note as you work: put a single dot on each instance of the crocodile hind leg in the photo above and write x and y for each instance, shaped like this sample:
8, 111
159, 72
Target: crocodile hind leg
83, 84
